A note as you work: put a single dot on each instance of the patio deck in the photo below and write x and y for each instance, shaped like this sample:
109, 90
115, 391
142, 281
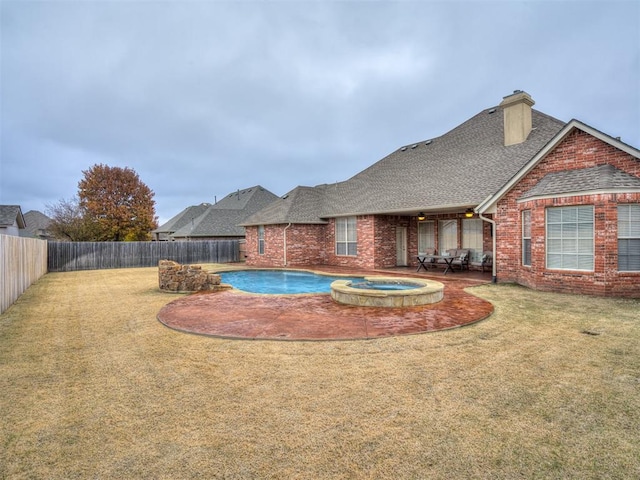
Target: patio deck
239, 315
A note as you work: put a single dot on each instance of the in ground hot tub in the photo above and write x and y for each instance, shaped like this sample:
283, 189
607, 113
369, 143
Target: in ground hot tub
387, 292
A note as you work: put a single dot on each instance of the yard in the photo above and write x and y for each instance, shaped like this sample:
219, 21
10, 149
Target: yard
93, 386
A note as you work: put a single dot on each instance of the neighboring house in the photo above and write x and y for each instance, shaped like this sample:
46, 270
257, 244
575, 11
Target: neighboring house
218, 221
11, 220
37, 226
557, 204
188, 215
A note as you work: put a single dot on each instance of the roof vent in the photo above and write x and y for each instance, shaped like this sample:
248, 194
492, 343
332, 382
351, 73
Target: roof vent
493, 110
285, 196
403, 149
414, 146
428, 142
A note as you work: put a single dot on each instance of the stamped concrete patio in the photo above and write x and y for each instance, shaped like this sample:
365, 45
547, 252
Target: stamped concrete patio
234, 314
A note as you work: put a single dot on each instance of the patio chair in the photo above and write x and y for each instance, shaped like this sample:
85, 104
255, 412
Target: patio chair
461, 259
485, 262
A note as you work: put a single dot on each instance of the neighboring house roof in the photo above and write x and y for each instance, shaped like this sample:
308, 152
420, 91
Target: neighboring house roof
181, 219
36, 225
456, 170
489, 203
248, 198
11, 215
223, 219
602, 178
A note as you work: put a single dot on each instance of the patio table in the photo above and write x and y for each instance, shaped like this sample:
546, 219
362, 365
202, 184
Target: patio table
448, 259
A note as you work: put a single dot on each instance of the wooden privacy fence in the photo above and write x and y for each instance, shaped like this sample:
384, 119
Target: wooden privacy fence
22, 262
70, 256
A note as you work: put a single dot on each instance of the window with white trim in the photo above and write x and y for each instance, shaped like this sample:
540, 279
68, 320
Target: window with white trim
261, 240
472, 237
629, 238
447, 235
346, 236
570, 238
526, 238
426, 236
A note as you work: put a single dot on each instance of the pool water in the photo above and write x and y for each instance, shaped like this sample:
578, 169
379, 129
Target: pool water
281, 281
383, 286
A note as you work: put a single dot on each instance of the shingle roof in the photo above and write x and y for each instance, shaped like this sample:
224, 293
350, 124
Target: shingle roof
9, 214
490, 202
300, 205
601, 177
183, 218
459, 169
245, 198
223, 219
36, 223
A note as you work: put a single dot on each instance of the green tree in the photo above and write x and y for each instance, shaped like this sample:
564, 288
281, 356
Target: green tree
117, 203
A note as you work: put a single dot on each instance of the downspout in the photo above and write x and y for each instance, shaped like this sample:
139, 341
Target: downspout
284, 238
494, 278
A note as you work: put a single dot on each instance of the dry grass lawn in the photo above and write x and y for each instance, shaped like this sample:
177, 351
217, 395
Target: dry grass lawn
93, 386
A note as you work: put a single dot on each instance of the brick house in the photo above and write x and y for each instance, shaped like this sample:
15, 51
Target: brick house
557, 204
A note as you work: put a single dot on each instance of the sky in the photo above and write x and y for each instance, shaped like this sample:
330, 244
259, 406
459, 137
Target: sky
202, 98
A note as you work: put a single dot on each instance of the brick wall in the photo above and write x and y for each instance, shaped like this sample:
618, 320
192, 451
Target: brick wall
273, 245
385, 241
365, 227
315, 244
306, 245
579, 150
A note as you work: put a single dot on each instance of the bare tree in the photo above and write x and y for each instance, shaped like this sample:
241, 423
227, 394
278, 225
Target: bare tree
68, 221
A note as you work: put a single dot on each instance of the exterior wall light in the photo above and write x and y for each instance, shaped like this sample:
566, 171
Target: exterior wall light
421, 217
469, 213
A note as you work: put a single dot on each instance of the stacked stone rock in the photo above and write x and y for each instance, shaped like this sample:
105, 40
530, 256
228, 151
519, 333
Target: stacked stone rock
174, 277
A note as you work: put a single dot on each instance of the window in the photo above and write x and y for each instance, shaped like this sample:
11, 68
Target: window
526, 238
629, 238
472, 237
346, 237
261, 240
447, 235
570, 238
426, 236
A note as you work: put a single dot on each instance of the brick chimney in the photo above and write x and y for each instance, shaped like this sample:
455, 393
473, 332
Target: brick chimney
517, 117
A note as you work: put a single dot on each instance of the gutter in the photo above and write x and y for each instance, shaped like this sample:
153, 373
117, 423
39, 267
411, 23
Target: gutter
402, 211
284, 238
494, 276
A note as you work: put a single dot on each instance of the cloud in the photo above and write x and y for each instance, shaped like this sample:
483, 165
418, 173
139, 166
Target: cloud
202, 98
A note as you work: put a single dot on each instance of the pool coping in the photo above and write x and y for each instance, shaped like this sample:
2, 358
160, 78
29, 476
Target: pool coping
426, 291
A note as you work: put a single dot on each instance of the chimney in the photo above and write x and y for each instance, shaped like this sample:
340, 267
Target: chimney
517, 117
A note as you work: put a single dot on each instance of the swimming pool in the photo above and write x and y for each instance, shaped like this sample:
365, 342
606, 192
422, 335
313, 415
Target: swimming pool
281, 281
